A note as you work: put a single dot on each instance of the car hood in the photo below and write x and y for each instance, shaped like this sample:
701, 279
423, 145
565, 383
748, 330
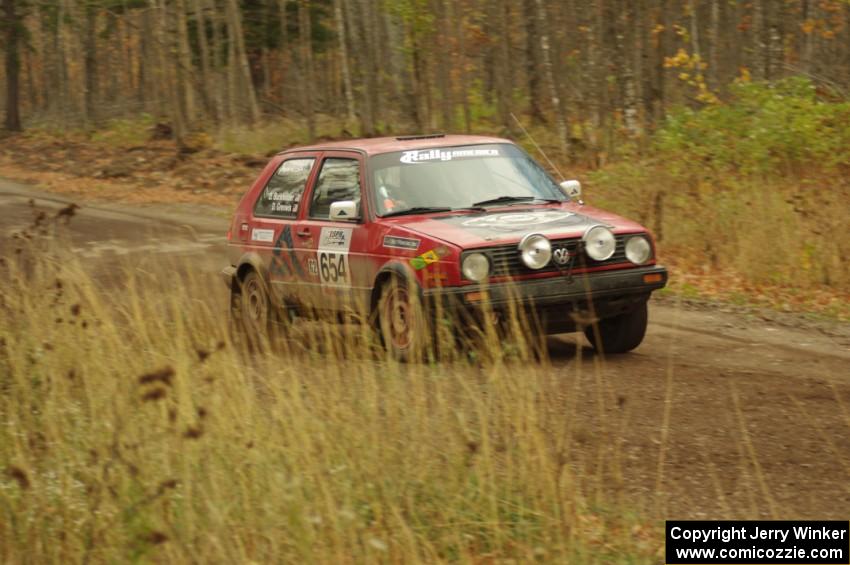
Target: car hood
509, 225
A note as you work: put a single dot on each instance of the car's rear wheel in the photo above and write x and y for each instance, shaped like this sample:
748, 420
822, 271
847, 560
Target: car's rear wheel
401, 319
251, 309
619, 334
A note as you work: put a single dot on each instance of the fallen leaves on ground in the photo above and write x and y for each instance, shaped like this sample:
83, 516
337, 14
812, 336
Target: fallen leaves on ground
154, 172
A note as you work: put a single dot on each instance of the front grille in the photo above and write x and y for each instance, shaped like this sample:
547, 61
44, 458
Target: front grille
506, 261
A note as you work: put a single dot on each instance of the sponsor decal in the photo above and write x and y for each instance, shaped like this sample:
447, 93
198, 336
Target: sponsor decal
285, 263
261, 235
335, 238
284, 202
428, 258
332, 257
401, 242
313, 266
411, 157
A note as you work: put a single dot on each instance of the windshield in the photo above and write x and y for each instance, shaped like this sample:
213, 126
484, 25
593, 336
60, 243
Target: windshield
459, 177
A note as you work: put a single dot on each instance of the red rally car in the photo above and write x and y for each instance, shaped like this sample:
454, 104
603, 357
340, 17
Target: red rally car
388, 227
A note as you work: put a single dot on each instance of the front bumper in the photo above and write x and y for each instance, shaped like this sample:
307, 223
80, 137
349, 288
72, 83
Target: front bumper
561, 289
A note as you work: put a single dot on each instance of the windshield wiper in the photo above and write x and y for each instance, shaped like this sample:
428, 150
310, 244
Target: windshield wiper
510, 199
418, 210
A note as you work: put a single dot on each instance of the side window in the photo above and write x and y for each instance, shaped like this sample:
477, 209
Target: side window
282, 194
338, 180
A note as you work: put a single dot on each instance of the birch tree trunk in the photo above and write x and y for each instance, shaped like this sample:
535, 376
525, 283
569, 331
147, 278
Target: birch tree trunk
549, 78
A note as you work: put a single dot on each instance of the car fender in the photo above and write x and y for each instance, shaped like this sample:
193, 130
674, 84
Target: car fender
391, 268
249, 260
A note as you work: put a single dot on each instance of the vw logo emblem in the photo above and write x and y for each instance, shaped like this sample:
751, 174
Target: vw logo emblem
561, 256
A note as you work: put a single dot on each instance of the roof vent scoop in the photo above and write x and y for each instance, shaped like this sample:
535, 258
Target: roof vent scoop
424, 136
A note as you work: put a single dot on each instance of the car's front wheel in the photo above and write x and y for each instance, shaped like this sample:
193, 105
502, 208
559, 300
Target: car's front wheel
401, 320
619, 334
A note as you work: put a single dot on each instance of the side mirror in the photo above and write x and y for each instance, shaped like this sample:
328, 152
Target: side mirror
571, 188
344, 210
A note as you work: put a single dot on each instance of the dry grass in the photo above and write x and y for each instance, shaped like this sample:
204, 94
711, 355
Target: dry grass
763, 242
134, 429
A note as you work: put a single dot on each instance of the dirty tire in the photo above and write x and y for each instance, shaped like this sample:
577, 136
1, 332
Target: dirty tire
619, 334
401, 321
251, 310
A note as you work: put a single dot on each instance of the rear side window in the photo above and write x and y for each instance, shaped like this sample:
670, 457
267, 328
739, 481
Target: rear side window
338, 180
282, 194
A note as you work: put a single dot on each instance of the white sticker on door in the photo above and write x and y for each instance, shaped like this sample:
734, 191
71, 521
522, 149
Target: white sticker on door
335, 238
265, 236
333, 256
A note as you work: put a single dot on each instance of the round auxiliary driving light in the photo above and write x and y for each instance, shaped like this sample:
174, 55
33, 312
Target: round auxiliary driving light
638, 250
599, 243
535, 250
476, 267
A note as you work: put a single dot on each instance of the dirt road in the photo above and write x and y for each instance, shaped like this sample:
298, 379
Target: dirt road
723, 414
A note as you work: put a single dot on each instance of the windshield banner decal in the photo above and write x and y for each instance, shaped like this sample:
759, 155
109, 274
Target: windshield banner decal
411, 157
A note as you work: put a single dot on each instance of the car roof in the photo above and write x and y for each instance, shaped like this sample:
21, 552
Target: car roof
377, 145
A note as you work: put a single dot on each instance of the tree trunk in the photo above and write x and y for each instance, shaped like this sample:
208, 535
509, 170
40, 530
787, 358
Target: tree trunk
500, 35
536, 94
218, 82
283, 40
760, 47
624, 40
343, 56
90, 60
13, 66
714, 45
184, 69
169, 72
460, 33
444, 69
661, 84
305, 40
203, 45
549, 78
242, 71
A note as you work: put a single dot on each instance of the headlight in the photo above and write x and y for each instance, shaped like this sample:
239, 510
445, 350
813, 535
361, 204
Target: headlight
476, 267
599, 243
638, 250
535, 250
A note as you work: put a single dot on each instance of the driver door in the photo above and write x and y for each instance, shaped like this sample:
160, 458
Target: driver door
333, 251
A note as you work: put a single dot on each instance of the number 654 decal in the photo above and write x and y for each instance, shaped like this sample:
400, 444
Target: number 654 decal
333, 268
